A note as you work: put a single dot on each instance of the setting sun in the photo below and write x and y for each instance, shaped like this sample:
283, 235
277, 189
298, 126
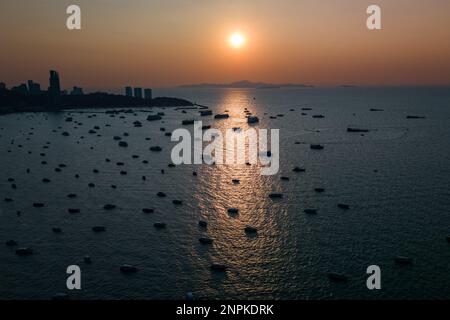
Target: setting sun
237, 40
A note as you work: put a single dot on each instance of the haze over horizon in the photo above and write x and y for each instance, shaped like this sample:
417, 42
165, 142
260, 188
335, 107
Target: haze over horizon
166, 43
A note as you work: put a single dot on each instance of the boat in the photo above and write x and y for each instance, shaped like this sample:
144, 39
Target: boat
159, 225
148, 210
222, 116
319, 190
73, 211
298, 169
161, 194
154, 117
87, 259
310, 211
38, 205
11, 243
205, 240
109, 207
187, 122
316, 147
415, 117
275, 195
252, 119
402, 260
123, 144
351, 129
376, 110
343, 206
127, 268
338, 277
218, 267
318, 116
177, 202
24, 251
204, 113
56, 230
249, 229
156, 148
98, 229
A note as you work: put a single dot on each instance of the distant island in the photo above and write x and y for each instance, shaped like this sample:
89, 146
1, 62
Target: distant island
246, 84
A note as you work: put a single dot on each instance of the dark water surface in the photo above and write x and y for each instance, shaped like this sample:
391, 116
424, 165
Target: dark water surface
395, 179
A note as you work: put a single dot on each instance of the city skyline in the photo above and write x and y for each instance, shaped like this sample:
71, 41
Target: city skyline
30, 87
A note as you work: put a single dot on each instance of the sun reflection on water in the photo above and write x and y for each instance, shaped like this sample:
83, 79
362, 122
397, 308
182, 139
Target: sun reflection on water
247, 256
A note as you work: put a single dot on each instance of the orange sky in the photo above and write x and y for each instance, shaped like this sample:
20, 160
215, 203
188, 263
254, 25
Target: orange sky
162, 43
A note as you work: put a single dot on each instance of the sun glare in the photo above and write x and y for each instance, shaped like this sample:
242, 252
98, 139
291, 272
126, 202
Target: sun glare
237, 40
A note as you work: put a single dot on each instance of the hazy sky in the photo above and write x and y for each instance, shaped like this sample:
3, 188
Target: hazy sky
160, 43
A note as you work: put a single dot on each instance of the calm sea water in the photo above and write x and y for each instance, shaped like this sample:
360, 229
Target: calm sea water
395, 179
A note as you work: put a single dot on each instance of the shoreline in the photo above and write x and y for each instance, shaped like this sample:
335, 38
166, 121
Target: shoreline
161, 102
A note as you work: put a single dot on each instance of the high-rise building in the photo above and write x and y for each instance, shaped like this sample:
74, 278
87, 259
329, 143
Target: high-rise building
138, 93
33, 87
22, 89
54, 90
148, 94
2, 85
77, 91
129, 91
55, 87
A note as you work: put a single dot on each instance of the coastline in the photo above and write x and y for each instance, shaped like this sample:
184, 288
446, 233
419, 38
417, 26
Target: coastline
86, 103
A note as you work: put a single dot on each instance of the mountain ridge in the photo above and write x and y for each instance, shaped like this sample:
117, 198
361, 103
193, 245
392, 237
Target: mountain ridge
246, 84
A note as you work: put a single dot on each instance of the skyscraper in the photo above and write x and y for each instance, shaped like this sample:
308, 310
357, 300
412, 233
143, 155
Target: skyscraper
138, 93
2, 85
22, 89
129, 91
77, 91
148, 94
55, 88
33, 87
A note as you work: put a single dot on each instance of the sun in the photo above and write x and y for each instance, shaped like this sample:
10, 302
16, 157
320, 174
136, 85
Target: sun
237, 40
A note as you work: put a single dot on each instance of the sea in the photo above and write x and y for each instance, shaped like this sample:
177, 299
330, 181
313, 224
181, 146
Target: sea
395, 179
